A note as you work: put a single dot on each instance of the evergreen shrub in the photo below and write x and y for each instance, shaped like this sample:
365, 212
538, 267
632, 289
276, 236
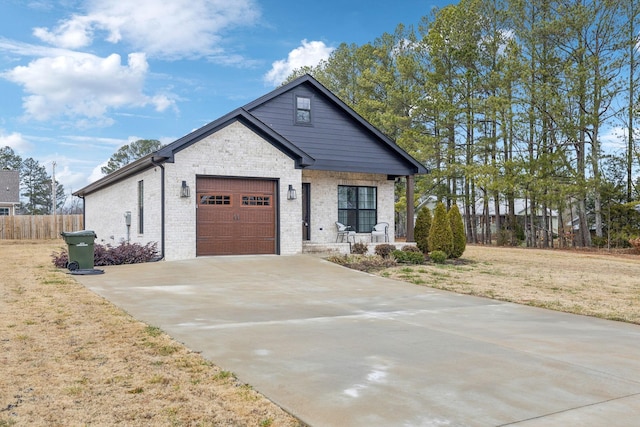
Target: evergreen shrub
408, 257
459, 239
440, 234
421, 230
438, 257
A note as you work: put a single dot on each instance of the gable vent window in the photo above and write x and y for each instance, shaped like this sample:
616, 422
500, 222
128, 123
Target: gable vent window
303, 110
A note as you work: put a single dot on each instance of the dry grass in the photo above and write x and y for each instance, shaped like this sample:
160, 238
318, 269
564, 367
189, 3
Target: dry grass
69, 357
589, 283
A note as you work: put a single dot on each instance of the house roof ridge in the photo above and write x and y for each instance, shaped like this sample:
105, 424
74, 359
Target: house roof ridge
244, 115
307, 78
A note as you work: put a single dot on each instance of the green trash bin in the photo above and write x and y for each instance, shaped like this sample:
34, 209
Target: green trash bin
80, 244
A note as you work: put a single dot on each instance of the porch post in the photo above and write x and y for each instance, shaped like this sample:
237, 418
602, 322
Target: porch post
410, 208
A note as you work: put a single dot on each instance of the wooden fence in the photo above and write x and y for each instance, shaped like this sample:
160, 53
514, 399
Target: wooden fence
38, 227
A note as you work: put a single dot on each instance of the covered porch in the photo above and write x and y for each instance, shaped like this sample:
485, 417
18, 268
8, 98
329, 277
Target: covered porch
363, 202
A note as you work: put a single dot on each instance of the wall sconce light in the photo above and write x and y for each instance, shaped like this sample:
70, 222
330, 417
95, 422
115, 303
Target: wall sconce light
184, 190
291, 193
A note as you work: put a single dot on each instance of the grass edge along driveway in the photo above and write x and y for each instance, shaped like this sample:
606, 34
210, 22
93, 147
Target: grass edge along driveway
598, 284
69, 357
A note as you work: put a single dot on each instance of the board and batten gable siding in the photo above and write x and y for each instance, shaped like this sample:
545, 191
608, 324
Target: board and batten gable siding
233, 151
105, 210
324, 201
333, 138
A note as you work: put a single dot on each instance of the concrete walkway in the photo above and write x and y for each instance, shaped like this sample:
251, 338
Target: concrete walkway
337, 347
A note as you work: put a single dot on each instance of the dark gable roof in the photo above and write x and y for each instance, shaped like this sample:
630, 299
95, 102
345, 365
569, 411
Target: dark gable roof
9, 186
167, 153
301, 158
248, 118
341, 148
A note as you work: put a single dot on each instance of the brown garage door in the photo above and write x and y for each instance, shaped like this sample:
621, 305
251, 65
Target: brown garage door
235, 216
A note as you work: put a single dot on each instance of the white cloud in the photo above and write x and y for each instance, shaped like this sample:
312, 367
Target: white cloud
62, 82
27, 49
84, 87
69, 177
15, 140
71, 34
40, 5
308, 54
71, 172
96, 173
172, 30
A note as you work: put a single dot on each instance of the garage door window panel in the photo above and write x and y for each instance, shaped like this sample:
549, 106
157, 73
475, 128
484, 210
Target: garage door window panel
215, 199
256, 200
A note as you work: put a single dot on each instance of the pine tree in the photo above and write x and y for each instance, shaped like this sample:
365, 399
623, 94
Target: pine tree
440, 235
36, 188
457, 230
129, 153
421, 230
9, 159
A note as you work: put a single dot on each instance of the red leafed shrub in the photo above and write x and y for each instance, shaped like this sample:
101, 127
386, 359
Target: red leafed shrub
124, 253
384, 250
60, 259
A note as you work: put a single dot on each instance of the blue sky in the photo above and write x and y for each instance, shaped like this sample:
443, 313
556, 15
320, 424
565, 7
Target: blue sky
80, 78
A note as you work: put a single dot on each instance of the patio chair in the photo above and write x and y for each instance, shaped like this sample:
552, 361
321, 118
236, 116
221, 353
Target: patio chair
380, 229
344, 231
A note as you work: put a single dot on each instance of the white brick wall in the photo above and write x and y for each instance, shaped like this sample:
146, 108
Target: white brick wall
105, 209
324, 201
234, 151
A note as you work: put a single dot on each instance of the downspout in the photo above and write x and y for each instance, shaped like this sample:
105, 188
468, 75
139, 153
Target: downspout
161, 206
84, 213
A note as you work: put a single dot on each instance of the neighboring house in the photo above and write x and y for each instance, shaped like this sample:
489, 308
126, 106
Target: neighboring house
9, 191
521, 210
262, 179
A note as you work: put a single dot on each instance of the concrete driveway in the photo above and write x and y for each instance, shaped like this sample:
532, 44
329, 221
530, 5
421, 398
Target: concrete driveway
337, 347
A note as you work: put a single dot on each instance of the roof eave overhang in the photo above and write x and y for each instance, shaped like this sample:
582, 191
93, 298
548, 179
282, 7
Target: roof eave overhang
241, 115
146, 162
167, 154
